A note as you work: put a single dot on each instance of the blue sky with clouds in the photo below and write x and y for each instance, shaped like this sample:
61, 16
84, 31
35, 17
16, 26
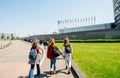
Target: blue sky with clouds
29, 17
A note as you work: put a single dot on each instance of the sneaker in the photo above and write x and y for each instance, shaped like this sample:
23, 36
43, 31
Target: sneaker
68, 72
38, 74
51, 72
54, 72
66, 67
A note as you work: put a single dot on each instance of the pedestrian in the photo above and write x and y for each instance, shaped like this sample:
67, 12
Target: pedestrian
50, 55
36, 61
67, 51
45, 44
40, 42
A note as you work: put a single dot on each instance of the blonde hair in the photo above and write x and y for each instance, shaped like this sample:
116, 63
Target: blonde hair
52, 42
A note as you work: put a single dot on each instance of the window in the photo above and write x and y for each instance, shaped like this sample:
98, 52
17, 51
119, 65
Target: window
118, 1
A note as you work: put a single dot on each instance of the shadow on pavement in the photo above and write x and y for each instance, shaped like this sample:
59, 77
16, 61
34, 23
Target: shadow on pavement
46, 74
22, 77
36, 76
61, 71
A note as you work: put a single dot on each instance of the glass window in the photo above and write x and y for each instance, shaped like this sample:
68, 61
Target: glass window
118, 1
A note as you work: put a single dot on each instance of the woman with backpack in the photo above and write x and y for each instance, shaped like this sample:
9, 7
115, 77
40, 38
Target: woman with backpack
34, 58
52, 56
67, 51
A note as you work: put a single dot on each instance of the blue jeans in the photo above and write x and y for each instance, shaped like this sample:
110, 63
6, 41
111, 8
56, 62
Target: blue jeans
32, 69
53, 63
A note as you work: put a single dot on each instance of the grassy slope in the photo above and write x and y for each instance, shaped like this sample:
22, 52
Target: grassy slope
97, 60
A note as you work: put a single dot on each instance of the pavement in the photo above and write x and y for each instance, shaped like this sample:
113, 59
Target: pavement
14, 63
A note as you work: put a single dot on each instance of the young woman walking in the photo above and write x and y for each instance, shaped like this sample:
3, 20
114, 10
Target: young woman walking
67, 51
50, 55
32, 62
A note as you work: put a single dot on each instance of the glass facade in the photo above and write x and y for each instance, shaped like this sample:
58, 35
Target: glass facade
116, 7
86, 28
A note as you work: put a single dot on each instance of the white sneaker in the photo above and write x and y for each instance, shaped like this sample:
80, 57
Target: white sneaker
54, 71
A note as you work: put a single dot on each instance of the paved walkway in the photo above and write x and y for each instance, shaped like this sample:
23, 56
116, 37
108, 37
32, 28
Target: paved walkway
14, 63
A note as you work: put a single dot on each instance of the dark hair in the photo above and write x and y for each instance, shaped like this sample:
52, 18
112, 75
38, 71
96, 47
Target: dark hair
66, 41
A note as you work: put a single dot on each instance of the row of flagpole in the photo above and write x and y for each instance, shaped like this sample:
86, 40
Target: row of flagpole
77, 22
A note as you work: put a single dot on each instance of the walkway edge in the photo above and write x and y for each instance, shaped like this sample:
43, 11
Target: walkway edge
76, 71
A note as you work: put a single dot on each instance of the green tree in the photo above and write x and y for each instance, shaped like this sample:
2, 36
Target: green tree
17, 38
12, 37
3, 36
8, 37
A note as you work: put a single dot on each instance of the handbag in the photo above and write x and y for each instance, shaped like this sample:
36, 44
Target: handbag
56, 52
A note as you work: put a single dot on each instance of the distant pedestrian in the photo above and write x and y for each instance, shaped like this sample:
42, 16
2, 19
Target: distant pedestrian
67, 51
52, 56
45, 44
40, 42
34, 58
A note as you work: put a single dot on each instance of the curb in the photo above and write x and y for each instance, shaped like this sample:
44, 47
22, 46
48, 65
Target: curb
76, 71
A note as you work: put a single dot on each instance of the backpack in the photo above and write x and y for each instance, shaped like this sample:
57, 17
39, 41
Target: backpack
56, 52
68, 49
33, 54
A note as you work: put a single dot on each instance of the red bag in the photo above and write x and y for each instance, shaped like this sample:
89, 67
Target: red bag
49, 52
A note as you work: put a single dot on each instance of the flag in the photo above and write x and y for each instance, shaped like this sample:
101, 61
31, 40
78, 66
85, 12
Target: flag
58, 22
78, 20
86, 18
94, 18
70, 20
66, 21
81, 20
91, 18
75, 20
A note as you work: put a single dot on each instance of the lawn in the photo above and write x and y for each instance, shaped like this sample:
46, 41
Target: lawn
97, 60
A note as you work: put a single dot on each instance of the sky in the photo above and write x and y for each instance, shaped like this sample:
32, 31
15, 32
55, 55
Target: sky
36, 17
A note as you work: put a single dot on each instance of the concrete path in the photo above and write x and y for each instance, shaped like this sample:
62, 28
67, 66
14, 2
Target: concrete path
14, 63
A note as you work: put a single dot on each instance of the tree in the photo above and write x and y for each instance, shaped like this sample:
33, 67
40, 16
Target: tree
3, 36
17, 38
12, 37
8, 37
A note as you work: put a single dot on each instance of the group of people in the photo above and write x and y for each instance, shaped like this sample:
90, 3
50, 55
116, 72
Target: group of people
66, 53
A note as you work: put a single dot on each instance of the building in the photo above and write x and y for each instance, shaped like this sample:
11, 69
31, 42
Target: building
116, 8
86, 28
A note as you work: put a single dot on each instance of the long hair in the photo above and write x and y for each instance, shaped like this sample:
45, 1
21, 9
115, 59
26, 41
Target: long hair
52, 42
66, 41
35, 44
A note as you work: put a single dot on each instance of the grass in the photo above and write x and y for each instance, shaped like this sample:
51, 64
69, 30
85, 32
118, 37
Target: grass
97, 60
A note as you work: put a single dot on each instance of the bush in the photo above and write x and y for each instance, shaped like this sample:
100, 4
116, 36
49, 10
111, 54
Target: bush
91, 41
